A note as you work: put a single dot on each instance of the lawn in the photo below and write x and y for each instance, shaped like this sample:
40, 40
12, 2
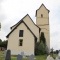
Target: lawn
40, 57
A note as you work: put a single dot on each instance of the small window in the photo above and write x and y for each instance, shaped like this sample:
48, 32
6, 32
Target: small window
20, 42
21, 33
41, 15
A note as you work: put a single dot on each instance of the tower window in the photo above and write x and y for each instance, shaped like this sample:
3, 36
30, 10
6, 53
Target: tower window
20, 42
41, 15
21, 33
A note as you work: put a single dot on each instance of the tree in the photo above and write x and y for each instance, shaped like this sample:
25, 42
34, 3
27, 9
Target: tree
0, 42
4, 44
57, 51
42, 38
52, 52
40, 48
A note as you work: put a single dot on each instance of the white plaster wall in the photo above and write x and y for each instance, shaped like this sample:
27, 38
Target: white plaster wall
30, 24
28, 41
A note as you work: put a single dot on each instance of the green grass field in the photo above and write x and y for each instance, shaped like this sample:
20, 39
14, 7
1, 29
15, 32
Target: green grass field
41, 57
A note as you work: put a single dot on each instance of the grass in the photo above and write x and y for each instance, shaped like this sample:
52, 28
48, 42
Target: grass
1, 55
54, 55
40, 57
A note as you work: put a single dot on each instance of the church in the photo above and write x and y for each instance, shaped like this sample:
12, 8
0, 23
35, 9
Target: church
25, 33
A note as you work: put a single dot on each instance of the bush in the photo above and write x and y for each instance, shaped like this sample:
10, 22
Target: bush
40, 48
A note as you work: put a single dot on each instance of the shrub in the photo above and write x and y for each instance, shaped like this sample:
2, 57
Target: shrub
40, 48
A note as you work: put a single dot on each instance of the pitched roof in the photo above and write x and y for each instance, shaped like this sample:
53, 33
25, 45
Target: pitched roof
40, 7
21, 21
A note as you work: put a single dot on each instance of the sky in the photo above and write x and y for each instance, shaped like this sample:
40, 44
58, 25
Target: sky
11, 11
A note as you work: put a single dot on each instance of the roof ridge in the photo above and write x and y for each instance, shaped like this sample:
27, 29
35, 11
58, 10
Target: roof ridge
22, 19
19, 21
18, 25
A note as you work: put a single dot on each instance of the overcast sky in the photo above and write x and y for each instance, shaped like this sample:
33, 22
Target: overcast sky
11, 11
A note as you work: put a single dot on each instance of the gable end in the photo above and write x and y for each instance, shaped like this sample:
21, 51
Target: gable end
40, 7
22, 19
18, 25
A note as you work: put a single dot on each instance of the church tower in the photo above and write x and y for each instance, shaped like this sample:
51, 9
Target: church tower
42, 20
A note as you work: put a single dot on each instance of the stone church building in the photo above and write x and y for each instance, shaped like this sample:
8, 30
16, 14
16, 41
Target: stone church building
25, 33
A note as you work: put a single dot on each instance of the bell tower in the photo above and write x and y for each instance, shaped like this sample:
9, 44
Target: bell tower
42, 20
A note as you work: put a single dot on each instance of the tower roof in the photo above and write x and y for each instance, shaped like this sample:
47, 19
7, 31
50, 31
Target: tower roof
40, 7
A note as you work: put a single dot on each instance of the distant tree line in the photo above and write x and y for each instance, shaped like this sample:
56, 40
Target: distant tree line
54, 52
3, 43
